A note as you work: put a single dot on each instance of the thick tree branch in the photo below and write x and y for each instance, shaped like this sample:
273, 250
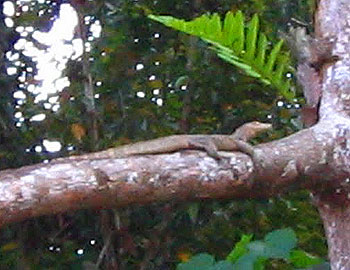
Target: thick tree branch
52, 188
186, 175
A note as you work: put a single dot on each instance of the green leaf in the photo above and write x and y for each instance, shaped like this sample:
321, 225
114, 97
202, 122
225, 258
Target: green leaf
228, 29
276, 244
260, 263
280, 67
252, 34
282, 240
201, 261
246, 262
272, 58
260, 248
263, 249
262, 46
223, 265
214, 27
238, 45
300, 258
240, 248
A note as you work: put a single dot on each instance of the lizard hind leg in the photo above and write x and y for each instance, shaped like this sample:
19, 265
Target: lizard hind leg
208, 146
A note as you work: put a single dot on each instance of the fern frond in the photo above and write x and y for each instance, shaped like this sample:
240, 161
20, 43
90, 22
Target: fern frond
241, 45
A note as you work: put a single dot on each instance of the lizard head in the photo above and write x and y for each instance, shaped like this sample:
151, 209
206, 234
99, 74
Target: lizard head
250, 130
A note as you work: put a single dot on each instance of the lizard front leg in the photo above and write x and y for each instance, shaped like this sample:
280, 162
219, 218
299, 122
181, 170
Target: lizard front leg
211, 145
248, 131
245, 147
238, 141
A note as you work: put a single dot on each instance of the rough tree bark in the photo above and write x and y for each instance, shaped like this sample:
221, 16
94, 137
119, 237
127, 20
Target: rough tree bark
317, 158
332, 21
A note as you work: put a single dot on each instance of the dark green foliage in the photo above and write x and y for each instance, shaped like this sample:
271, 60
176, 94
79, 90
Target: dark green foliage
240, 248
205, 262
300, 258
248, 255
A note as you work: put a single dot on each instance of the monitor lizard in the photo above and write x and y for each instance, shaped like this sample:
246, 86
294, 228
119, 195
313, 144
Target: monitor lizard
237, 141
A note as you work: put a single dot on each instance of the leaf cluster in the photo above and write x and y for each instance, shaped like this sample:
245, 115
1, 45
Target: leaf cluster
241, 44
253, 255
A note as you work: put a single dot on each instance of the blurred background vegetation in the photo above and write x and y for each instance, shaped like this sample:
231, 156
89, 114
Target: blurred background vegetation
140, 80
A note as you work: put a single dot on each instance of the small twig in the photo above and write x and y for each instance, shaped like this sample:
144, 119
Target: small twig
301, 23
104, 249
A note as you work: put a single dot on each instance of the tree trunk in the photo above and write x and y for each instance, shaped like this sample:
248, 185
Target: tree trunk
332, 22
336, 222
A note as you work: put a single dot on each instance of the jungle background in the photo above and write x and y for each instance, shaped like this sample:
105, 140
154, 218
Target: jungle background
136, 81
